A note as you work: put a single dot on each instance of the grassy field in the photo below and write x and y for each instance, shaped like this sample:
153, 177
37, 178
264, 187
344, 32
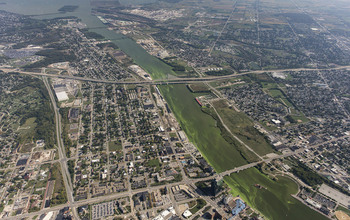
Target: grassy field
201, 129
249, 156
115, 145
279, 96
154, 163
200, 203
59, 193
300, 117
28, 128
42, 183
27, 147
243, 128
274, 201
275, 93
200, 87
172, 135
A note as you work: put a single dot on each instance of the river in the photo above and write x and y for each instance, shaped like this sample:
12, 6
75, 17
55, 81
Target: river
45, 9
199, 127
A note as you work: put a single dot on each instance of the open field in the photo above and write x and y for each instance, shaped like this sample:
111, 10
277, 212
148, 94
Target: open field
115, 146
274, 200
278, 95
59, 193
200, 87
154, 163
243, 128
26, 147
28, 128
341, 208
341, 215
248, 155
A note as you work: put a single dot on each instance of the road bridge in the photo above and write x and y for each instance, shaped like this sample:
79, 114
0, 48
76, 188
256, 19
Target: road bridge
160, 81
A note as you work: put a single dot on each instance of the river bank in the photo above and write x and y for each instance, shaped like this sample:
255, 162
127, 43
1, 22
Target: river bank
201, 129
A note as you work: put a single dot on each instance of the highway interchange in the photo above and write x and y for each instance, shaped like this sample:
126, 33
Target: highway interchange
159, 81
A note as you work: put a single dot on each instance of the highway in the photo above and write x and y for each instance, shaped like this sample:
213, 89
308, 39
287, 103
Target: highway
61, 151
63, 158
161, 81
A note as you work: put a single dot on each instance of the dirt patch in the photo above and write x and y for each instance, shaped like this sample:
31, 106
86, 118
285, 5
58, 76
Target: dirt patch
341, 215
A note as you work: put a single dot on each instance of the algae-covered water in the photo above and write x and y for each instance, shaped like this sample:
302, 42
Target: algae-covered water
274, 203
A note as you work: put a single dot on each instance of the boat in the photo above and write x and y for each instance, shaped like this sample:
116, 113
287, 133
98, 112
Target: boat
199, 102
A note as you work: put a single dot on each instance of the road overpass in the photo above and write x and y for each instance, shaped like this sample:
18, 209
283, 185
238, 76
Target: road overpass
160, 81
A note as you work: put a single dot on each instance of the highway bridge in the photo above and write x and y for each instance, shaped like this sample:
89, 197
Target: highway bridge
157, 81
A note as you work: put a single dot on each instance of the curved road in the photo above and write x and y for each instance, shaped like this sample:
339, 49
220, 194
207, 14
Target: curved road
61, 151
162, 81
62, 155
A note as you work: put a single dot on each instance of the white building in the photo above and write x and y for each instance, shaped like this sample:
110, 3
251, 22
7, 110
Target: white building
187, 213
62, 96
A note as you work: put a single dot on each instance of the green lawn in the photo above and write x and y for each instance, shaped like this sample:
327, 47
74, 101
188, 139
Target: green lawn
192, 204
276, 93
115, 145
279, 96
200, 203
241, 126
286, 102
274, 202
172, 135
300, 117
154, 163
